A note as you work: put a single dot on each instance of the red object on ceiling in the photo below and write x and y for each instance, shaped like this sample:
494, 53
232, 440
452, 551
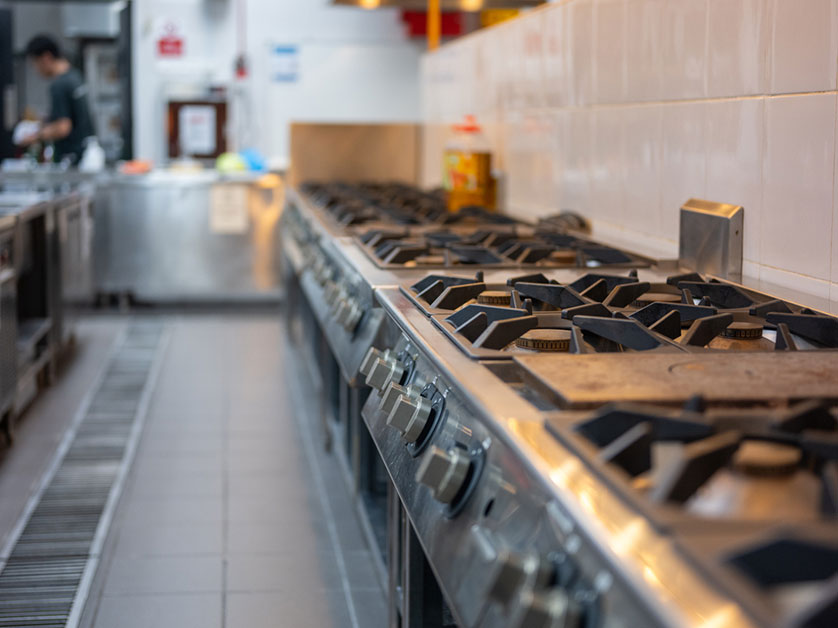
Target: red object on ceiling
417, 23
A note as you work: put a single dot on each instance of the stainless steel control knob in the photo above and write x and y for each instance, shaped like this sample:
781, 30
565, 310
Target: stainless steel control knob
372, 355
548, 609
389, 397
352, 317
384, 370
444, 472
338, 302
509, 572
330, 292
410, 414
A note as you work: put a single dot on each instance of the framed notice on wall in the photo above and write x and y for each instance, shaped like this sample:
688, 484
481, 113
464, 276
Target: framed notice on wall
196, 128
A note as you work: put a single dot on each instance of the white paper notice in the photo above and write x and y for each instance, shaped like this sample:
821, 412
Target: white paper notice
285, 64
228, 209
196, 130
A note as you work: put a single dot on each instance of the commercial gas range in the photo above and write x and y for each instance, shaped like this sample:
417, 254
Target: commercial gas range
569, 442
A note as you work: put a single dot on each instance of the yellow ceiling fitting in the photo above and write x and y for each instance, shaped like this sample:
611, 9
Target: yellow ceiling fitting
434, 24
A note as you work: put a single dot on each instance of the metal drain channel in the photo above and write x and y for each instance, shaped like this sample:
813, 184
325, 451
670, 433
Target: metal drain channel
49, 562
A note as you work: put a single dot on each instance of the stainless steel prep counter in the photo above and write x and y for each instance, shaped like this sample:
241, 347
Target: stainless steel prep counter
172, 237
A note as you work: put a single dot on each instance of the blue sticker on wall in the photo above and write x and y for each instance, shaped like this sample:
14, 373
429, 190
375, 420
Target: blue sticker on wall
285, 64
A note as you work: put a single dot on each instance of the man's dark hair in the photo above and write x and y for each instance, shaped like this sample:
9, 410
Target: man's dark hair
42, 44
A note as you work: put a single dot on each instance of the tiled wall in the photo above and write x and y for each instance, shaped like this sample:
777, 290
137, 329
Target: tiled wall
623, 109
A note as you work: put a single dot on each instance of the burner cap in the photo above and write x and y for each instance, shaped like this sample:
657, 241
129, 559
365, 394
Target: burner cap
744, 330
563, 256
494, 297
545, 340
762, 458
657, 297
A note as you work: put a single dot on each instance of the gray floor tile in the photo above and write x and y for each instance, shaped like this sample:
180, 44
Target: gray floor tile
245, 463
183, 444
177, 464
291, 487
314, 609
161, 611
257, 509
370, 608
261, 538
165, 575
160, 483
175, 510
137, 539
283, 572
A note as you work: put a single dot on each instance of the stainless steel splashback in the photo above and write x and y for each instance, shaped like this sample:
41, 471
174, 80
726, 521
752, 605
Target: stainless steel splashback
711, 236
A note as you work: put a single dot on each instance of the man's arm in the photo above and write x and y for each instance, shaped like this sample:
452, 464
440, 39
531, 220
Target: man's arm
50, 132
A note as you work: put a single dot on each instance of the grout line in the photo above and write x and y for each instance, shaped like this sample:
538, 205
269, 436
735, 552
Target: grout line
225, 483
320, 486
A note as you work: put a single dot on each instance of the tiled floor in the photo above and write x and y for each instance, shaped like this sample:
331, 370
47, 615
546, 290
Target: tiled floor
232, 515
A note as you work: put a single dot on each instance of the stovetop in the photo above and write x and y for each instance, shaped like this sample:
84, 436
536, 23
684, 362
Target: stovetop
707, 410
357, 204
607, 312
490, 246
727, 456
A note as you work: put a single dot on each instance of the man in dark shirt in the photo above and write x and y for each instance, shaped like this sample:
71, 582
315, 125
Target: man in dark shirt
69, 122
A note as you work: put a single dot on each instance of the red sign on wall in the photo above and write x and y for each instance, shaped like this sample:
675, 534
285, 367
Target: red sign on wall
170, 43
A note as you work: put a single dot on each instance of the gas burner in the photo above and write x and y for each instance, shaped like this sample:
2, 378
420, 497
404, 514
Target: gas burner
395, 203
606, 313
729, 485
731, 464
443, 294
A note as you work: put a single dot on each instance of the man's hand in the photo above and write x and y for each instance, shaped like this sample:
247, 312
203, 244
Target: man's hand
29, 140
57, 130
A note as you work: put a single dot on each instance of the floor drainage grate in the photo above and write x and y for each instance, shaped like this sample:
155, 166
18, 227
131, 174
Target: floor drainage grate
54, 554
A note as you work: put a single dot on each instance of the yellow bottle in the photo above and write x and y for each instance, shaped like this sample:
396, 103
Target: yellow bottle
467, 168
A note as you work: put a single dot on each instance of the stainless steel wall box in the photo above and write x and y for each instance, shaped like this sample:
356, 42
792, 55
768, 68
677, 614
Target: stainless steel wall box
711, 238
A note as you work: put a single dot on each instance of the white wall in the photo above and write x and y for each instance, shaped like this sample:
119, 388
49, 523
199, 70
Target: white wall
354, 65
623, 109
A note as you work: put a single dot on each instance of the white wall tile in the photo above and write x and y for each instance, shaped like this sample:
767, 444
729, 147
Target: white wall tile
608, 164
683, 161
556, 57
643, 132
750, 270
798, 171
580, 33
644, 61
574, 184
684, 49
805, 46
735, 136
524, 59
802, 286
738, 47
610, 51
531, 143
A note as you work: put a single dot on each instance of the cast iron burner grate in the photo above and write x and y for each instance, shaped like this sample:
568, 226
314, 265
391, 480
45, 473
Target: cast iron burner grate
616, 313
727, 484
